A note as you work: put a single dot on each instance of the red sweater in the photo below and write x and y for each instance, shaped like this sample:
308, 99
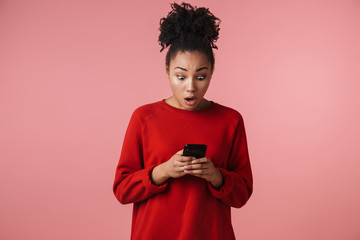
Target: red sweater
188, 207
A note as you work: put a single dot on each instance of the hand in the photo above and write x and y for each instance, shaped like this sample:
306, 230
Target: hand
174, 168
204, 168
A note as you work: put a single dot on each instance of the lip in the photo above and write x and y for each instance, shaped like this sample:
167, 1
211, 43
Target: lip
192, 102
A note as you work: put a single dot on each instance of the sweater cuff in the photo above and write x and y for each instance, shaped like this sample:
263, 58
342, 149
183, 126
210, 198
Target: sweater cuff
225, 188
149, 185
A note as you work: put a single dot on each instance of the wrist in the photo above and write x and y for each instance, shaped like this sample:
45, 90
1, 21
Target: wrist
217, 181
162, 171
158, 175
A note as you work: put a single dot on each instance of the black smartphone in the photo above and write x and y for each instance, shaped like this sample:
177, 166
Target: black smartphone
195, 150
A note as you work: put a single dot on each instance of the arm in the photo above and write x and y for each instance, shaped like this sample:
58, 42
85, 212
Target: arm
132, 181
237, 184
173, 168
232, 185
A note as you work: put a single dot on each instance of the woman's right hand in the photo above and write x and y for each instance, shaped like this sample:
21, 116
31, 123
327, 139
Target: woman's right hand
174, 168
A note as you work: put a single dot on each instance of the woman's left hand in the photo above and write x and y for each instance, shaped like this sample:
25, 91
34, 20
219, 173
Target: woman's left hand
204, 168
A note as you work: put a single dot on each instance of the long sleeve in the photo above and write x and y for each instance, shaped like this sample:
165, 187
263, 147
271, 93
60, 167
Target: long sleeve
238, 182
156, 132
132, 181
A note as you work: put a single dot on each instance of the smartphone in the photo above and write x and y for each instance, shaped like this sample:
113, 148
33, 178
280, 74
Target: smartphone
195, 150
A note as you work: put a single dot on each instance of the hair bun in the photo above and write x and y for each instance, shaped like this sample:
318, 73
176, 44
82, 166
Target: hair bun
186, 22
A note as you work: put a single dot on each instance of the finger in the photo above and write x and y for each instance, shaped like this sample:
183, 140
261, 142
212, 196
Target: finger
181, 164
185, 159
180, 152
195, 171
200, 160
196, 166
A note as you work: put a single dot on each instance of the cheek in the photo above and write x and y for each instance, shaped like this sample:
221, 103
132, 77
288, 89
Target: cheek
176, 86
204, 86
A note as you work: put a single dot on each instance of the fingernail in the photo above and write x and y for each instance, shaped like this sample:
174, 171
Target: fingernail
193, 158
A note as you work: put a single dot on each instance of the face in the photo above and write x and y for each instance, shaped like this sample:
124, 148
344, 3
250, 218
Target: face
189, 74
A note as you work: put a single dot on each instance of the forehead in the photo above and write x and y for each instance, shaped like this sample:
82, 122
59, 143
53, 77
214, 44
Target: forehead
190, 60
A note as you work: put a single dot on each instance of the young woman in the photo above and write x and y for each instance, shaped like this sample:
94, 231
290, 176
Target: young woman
176, 196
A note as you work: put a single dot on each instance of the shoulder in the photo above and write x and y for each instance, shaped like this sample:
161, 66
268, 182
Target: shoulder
228, 112
146, 110
231, 117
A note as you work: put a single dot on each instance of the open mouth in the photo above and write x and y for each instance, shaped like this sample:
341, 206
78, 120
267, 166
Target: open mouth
190, 101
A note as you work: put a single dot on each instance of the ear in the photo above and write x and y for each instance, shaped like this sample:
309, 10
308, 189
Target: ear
167, 71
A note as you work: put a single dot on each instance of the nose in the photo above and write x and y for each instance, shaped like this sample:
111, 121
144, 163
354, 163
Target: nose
191, 87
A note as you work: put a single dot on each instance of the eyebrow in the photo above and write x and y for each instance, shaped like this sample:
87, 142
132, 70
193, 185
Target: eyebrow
196, 70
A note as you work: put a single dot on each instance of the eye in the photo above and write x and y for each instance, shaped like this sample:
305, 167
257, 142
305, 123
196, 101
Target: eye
180, 77
202, 77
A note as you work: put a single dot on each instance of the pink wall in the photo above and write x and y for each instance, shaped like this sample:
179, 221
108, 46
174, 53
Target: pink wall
71, 73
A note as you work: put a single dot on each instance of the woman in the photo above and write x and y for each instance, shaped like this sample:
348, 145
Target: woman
176, 196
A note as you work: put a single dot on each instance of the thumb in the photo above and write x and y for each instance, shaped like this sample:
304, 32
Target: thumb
180, 152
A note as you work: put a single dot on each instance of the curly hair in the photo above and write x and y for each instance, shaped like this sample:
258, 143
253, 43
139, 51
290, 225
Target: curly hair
188, 28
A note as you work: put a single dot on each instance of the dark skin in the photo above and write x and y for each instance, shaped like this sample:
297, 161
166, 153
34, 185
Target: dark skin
178, 166
189, 74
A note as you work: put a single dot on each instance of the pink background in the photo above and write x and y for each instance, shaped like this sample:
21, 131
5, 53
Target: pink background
72, 72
